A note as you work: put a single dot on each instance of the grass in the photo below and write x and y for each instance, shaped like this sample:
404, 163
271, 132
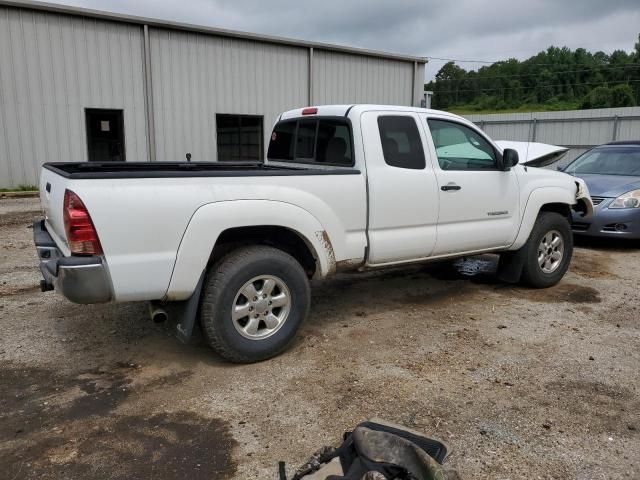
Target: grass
20, 188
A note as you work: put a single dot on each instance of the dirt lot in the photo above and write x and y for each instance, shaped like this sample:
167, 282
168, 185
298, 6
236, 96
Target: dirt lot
521, 383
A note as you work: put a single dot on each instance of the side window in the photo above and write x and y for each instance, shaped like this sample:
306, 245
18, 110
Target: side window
460, 148
334, 143
401, 144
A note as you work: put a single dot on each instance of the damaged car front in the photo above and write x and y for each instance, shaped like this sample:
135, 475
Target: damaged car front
612, 174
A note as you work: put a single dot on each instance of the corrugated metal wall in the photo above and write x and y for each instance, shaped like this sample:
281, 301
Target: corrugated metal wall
52, 67
340, 78
577, 129
196, 76
418, 88
55, 65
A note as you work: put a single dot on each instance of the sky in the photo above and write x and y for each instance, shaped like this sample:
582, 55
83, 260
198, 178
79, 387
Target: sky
487, 30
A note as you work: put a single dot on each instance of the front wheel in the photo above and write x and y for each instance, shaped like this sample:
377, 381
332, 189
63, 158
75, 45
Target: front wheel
548, 251
254, 301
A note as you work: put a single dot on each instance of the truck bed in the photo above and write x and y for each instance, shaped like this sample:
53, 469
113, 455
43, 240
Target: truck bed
145, 214
109, 170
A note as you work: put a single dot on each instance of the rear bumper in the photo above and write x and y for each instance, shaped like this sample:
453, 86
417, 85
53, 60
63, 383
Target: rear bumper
612, 223
80, 279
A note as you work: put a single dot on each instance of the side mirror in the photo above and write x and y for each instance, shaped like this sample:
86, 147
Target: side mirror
509, 158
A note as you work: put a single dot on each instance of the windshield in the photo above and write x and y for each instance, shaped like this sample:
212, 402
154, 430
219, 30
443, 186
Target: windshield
607, 161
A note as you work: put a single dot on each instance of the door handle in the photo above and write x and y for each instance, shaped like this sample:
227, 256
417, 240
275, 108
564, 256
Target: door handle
450, 187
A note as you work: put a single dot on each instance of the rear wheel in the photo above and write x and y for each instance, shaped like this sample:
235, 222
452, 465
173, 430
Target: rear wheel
548, 251
253, 303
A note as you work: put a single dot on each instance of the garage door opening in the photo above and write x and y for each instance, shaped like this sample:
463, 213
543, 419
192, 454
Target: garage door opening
105, 135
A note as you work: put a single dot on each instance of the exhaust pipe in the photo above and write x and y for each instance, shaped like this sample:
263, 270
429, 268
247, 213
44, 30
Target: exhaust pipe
157, 313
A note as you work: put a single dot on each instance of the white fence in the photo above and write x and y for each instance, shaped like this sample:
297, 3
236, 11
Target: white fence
578, 130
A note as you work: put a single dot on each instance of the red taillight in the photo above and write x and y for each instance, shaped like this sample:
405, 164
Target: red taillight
309, 111
81, 234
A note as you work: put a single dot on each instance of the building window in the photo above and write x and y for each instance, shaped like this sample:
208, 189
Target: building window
239, 137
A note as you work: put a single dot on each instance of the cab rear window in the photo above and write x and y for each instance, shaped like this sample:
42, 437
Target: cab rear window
322, 141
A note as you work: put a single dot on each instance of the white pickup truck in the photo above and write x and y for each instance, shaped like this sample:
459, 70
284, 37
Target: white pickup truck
234, 245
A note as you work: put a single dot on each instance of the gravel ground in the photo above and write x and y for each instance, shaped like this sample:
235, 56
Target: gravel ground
532, 384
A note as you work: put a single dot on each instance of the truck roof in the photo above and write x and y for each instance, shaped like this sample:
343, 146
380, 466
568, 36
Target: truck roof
345, 110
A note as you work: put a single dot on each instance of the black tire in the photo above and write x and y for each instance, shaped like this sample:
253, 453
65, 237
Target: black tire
223, 282
532, 273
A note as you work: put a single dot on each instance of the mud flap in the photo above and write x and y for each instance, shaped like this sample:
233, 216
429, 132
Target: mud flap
186, 313
511, 265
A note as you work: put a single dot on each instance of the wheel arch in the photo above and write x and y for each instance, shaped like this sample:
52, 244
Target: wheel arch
557, 207
550, 199
289, 227
283, 238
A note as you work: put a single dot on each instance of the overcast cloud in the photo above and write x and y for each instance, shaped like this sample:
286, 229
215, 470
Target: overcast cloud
465, 29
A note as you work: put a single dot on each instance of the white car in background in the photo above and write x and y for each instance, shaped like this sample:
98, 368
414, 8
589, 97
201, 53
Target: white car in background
535, 154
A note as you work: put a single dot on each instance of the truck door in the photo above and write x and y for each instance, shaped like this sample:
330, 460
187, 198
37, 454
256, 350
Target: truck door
479, 203
403, 194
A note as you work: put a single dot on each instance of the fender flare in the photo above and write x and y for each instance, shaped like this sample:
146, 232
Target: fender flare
537, 199
211, 219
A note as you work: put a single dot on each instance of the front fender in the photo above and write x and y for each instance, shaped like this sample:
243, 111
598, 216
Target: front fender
583, 198
210, 220
536, 200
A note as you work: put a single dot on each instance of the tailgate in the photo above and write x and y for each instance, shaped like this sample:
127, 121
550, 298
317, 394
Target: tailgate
52, 188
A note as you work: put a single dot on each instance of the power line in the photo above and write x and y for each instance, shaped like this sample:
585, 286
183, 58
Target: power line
530, 49
537, 86
488, 62
601, 67
462, 61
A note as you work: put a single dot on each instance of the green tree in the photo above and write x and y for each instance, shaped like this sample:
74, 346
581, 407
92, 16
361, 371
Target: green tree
622, 96
544, 88
447, 85
599, 97
556, 78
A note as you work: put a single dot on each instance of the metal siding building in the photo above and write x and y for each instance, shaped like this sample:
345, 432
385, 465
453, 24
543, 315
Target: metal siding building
197, 76
578, 130
164, 85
